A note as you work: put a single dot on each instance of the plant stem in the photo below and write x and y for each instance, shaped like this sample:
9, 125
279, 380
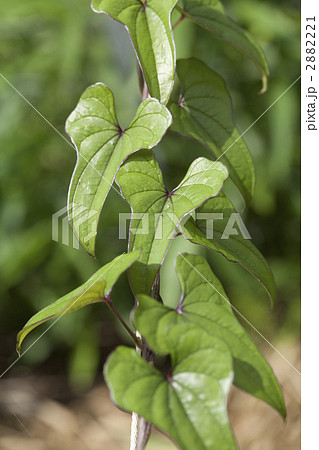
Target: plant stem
181, 18
155, 292
140, 79
141, 82
140, 428
140, 432
134, 337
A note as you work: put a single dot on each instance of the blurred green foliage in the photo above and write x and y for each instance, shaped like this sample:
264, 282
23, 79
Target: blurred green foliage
50, 52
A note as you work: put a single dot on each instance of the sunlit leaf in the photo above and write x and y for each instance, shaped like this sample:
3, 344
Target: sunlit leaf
205, 303
96, 289
189, 403
211, 232
149, 25
202, 111
160, 211
210, 14
102, 147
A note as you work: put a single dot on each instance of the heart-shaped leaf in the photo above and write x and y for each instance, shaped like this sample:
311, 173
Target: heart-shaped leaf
189, 403
205, 303
149, 25
210, 14
102, 147
156, 213
96, 289
211, 232
202, 111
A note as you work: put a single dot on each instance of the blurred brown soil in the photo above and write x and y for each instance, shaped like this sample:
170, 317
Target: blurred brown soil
31, 420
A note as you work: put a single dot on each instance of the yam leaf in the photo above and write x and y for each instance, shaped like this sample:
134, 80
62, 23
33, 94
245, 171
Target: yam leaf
205, 303
189, 403
94, 290
212, 233
210, 14
202, 111
149, 25
156, 213
102, 147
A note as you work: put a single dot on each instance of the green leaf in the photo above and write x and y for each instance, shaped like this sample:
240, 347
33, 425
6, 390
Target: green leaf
160, 212
149, 25
96, 289
210, 14
189, 404
102, 147
205, 303
235, 248
202, 111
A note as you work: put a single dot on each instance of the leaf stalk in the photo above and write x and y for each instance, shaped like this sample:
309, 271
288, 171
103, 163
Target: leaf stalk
137, 341
179, 20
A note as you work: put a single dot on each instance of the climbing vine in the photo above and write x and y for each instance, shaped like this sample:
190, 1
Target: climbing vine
184, 360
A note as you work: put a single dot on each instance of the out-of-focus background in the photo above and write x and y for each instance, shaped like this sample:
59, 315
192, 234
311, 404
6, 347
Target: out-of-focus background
54, 396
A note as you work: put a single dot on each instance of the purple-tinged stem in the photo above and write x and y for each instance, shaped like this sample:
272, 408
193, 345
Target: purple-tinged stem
136, 341
181, 18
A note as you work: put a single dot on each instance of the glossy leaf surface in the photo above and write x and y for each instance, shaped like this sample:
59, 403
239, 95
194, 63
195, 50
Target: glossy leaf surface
94, 290
189, 404
205, 303
102, 147
160, 211
210, 14
202, 111
149, 25
234, 247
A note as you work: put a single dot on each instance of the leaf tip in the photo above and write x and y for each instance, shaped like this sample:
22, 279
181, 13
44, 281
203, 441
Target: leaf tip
271, 291
264, 87
91, 250
284, 413
282, 409
19, 343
